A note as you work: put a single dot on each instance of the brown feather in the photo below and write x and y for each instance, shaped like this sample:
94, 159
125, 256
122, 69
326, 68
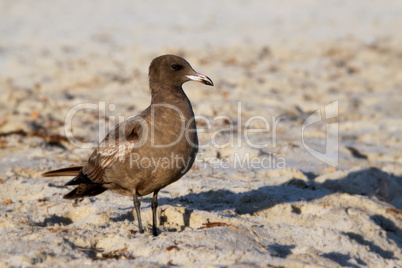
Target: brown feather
85, 190
70, 171
81, 178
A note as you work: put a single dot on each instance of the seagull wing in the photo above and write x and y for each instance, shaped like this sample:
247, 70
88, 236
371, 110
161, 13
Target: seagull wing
116, 146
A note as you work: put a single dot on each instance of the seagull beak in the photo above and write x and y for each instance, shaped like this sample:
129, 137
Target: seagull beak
201, 78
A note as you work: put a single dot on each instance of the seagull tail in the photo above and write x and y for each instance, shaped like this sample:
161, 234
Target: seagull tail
70, 171
85, 186
85, 190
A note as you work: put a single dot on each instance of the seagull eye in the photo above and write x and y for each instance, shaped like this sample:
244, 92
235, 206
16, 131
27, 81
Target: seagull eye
176, 67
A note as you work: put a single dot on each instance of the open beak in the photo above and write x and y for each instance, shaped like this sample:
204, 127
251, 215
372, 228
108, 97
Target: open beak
201, 78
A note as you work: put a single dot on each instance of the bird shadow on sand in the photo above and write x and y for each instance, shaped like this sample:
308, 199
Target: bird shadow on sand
366, 182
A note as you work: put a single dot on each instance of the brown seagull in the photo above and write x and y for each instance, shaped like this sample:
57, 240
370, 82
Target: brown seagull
149, 151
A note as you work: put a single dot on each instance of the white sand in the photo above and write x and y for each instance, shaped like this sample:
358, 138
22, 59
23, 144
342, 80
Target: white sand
275, 58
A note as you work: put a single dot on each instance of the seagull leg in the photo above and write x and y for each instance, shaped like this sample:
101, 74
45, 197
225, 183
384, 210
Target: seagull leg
154, 206
137, 205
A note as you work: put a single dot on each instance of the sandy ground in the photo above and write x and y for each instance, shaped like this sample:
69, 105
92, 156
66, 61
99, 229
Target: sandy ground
267, 59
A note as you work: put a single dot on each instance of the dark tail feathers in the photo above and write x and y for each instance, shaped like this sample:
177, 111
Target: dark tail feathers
85, 190
85, 186
70, 171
